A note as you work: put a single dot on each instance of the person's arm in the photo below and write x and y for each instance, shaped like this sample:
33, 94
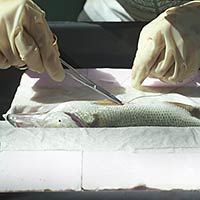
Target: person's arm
169, 46
26, 39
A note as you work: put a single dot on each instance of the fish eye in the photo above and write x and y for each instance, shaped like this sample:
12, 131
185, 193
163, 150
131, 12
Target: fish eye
59, 120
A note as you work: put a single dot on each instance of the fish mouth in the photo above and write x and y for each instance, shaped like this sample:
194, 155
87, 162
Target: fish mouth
11, 120
22, 120
16, 120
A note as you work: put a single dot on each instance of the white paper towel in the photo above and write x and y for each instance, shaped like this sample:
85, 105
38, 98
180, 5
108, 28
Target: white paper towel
99, 158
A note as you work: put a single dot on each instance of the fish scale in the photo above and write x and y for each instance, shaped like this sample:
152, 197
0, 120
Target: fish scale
140, 114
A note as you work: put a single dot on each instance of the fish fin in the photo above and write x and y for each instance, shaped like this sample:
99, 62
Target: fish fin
194, 111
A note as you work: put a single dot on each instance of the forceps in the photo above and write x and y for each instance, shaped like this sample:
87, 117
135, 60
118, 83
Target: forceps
87, 82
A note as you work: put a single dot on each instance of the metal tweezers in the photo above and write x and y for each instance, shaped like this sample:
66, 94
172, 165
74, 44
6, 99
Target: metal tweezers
87, 82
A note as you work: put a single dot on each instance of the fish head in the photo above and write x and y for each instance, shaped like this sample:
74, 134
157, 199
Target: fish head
45, 120
59, 120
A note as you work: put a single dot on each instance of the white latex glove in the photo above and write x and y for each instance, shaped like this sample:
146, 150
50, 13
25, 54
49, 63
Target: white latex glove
26, 39
169, 46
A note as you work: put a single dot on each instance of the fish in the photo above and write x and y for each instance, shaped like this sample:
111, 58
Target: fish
97, 114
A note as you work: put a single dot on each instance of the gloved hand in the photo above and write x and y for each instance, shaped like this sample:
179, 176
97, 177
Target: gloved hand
169, 46
26, 39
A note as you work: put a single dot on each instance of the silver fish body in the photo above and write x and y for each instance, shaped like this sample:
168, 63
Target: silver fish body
91, 114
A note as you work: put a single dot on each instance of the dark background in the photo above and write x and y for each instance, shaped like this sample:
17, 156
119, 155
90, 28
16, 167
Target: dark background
105, 195
61, 10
